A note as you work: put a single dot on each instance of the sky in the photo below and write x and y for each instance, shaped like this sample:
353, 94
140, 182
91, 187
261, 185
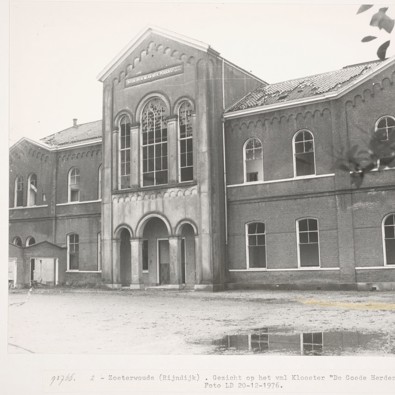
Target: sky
57, 48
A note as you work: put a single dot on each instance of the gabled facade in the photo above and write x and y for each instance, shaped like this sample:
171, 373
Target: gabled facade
203, 176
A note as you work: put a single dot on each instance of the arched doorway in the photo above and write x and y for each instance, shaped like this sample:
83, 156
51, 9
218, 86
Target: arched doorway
125, 257
188, 264
156, 251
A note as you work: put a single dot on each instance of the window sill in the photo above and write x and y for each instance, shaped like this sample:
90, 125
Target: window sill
83, 202
28, 207
83, 271
375, 267
313, 177
185, 184
299, 269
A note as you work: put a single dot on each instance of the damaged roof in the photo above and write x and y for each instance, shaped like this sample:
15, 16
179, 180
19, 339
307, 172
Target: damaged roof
302, 88
75, 134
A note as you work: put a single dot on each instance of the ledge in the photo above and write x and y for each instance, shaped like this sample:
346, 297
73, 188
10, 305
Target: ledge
375, 267
83, 202
27, 207
299, 269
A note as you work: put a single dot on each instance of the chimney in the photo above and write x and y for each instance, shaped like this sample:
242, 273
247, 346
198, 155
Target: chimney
75, 125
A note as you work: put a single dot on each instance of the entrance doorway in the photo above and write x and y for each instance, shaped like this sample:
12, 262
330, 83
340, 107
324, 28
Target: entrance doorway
163, 261
125, 258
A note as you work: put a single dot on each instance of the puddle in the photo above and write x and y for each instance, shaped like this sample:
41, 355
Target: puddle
281, 342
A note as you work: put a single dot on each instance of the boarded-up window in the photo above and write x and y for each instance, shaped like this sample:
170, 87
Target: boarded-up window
304, 153
308, 242
389, 239
256, 245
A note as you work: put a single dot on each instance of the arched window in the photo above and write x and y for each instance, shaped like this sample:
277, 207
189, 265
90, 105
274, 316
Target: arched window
17, 241
256, 245
253, 160
304, 161
74, 185
32, 190
154, 143
185, 141
385, 141
73, 249
124, 153
389, 239
30, 241
308, 242
18, 197
99, 176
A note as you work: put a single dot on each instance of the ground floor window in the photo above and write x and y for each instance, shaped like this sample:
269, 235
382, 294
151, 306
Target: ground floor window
312, 343
308, 245
145, 255
389, 239
73, 251
256, 245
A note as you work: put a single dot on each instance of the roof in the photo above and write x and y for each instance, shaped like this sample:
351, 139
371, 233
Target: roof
306, 87
137, 40
75, 134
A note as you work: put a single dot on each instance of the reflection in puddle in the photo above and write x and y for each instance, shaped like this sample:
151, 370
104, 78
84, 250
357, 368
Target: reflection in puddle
277, 341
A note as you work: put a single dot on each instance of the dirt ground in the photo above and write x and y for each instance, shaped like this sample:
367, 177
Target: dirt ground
179, 322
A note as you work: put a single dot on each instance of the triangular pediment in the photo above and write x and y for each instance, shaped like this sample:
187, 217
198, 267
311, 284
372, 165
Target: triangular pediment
154, 39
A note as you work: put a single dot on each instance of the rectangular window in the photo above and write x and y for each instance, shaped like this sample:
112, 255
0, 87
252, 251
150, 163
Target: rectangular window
145, 255
124, 154
256, 245
73, 251
308, 243
312, 343
251, 177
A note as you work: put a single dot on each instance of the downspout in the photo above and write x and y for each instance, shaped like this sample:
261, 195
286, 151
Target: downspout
224, 153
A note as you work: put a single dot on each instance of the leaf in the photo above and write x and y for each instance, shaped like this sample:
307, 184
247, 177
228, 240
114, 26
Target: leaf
381, 52
364, 7
382, 21
368, 38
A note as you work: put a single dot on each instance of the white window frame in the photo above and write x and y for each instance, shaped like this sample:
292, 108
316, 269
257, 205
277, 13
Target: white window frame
379, 119
247, 245
16, 191
245, 159
179, 138
141, 176
29, 204
128, 121
68, 252
384, 242
294, 154
69, 185
298, 243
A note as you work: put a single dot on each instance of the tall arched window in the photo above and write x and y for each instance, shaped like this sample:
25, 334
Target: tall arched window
389, 239
99, 176
308, 242
256, 245
18, 197
304, 160
385, 142
154, 143
73, 248
253, 160
30, 241
74, 185
185, 140
124, 152
32, 190
17, 241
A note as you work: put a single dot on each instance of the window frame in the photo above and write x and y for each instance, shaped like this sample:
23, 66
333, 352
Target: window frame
384, 239
245, 161
29, 183
154, 144
180, 139
247, 245
28, 239
16, 190
377, 122
68, 251
15, 239
125, 149
69, 184
294, 153
298, 243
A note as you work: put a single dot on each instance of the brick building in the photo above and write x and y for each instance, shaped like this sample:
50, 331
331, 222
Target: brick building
203, 176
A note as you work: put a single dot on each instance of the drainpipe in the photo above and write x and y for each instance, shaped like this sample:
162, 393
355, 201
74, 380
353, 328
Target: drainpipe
224, 153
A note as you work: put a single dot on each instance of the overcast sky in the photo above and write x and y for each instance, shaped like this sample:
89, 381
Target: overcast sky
57, 48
